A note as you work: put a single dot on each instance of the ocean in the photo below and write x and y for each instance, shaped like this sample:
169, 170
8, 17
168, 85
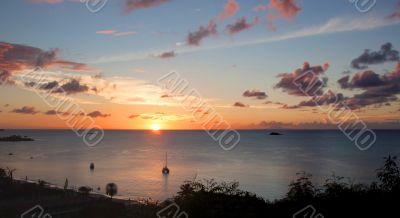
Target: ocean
261, 163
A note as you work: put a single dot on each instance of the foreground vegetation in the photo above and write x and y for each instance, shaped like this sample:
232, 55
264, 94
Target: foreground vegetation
336, 198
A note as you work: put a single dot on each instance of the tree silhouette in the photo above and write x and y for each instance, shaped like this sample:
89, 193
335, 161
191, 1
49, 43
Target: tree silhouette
111, 189
389, 174
10, 173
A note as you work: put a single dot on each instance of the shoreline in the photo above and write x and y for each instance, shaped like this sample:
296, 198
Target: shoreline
92, 194
19, 197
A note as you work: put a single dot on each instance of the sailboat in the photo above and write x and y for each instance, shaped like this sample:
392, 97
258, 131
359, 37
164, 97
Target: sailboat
165, 170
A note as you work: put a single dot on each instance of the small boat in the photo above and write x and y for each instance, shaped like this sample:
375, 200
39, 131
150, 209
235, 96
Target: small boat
165, 170
91, 166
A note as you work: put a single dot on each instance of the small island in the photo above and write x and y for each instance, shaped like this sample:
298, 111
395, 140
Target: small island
16, 138
275, 133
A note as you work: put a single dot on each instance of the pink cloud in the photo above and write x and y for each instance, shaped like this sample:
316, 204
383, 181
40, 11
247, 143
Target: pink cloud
115, 32
106, 32
195, 38
241, 25
285, 8
396, 14
230, 9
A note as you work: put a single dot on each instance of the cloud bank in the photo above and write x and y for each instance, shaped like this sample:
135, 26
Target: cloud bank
305, 81
385, 54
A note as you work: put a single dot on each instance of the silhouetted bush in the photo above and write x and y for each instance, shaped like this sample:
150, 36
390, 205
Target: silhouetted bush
335, 186
85, 190
337, 197
208, 198
302, 188
3, 173
389, 174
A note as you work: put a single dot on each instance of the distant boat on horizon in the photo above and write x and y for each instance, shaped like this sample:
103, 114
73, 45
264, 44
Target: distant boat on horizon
165, 170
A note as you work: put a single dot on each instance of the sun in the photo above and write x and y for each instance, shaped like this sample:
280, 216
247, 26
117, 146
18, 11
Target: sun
155, 127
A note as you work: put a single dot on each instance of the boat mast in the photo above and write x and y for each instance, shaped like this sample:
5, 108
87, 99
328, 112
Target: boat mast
166, 159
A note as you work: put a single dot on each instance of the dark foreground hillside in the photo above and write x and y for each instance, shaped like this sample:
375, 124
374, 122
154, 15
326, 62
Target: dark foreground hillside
336, 198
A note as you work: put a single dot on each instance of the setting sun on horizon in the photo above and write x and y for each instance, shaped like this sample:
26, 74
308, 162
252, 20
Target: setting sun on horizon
155, 127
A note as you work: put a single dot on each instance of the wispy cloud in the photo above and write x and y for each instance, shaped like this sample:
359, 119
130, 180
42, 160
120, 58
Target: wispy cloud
396, 14
15, 58
133, 5
47, 1
133, 116
115, 32
255, 93
334, 25
241, 25
118, 90
52, 112
239, 104
106, 32
98, 114
194, 38
161, 116
286, 9
320, 125
166, 55
127, 33
25, 110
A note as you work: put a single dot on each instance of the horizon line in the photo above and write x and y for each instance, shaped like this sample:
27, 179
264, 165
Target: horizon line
238, 129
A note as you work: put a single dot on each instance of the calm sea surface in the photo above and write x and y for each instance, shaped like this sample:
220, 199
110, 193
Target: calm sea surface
263, 164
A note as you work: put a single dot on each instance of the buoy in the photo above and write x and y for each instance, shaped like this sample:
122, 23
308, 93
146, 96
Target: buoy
91, 166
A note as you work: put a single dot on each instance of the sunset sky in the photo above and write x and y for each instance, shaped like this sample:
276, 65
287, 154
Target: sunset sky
241, 55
